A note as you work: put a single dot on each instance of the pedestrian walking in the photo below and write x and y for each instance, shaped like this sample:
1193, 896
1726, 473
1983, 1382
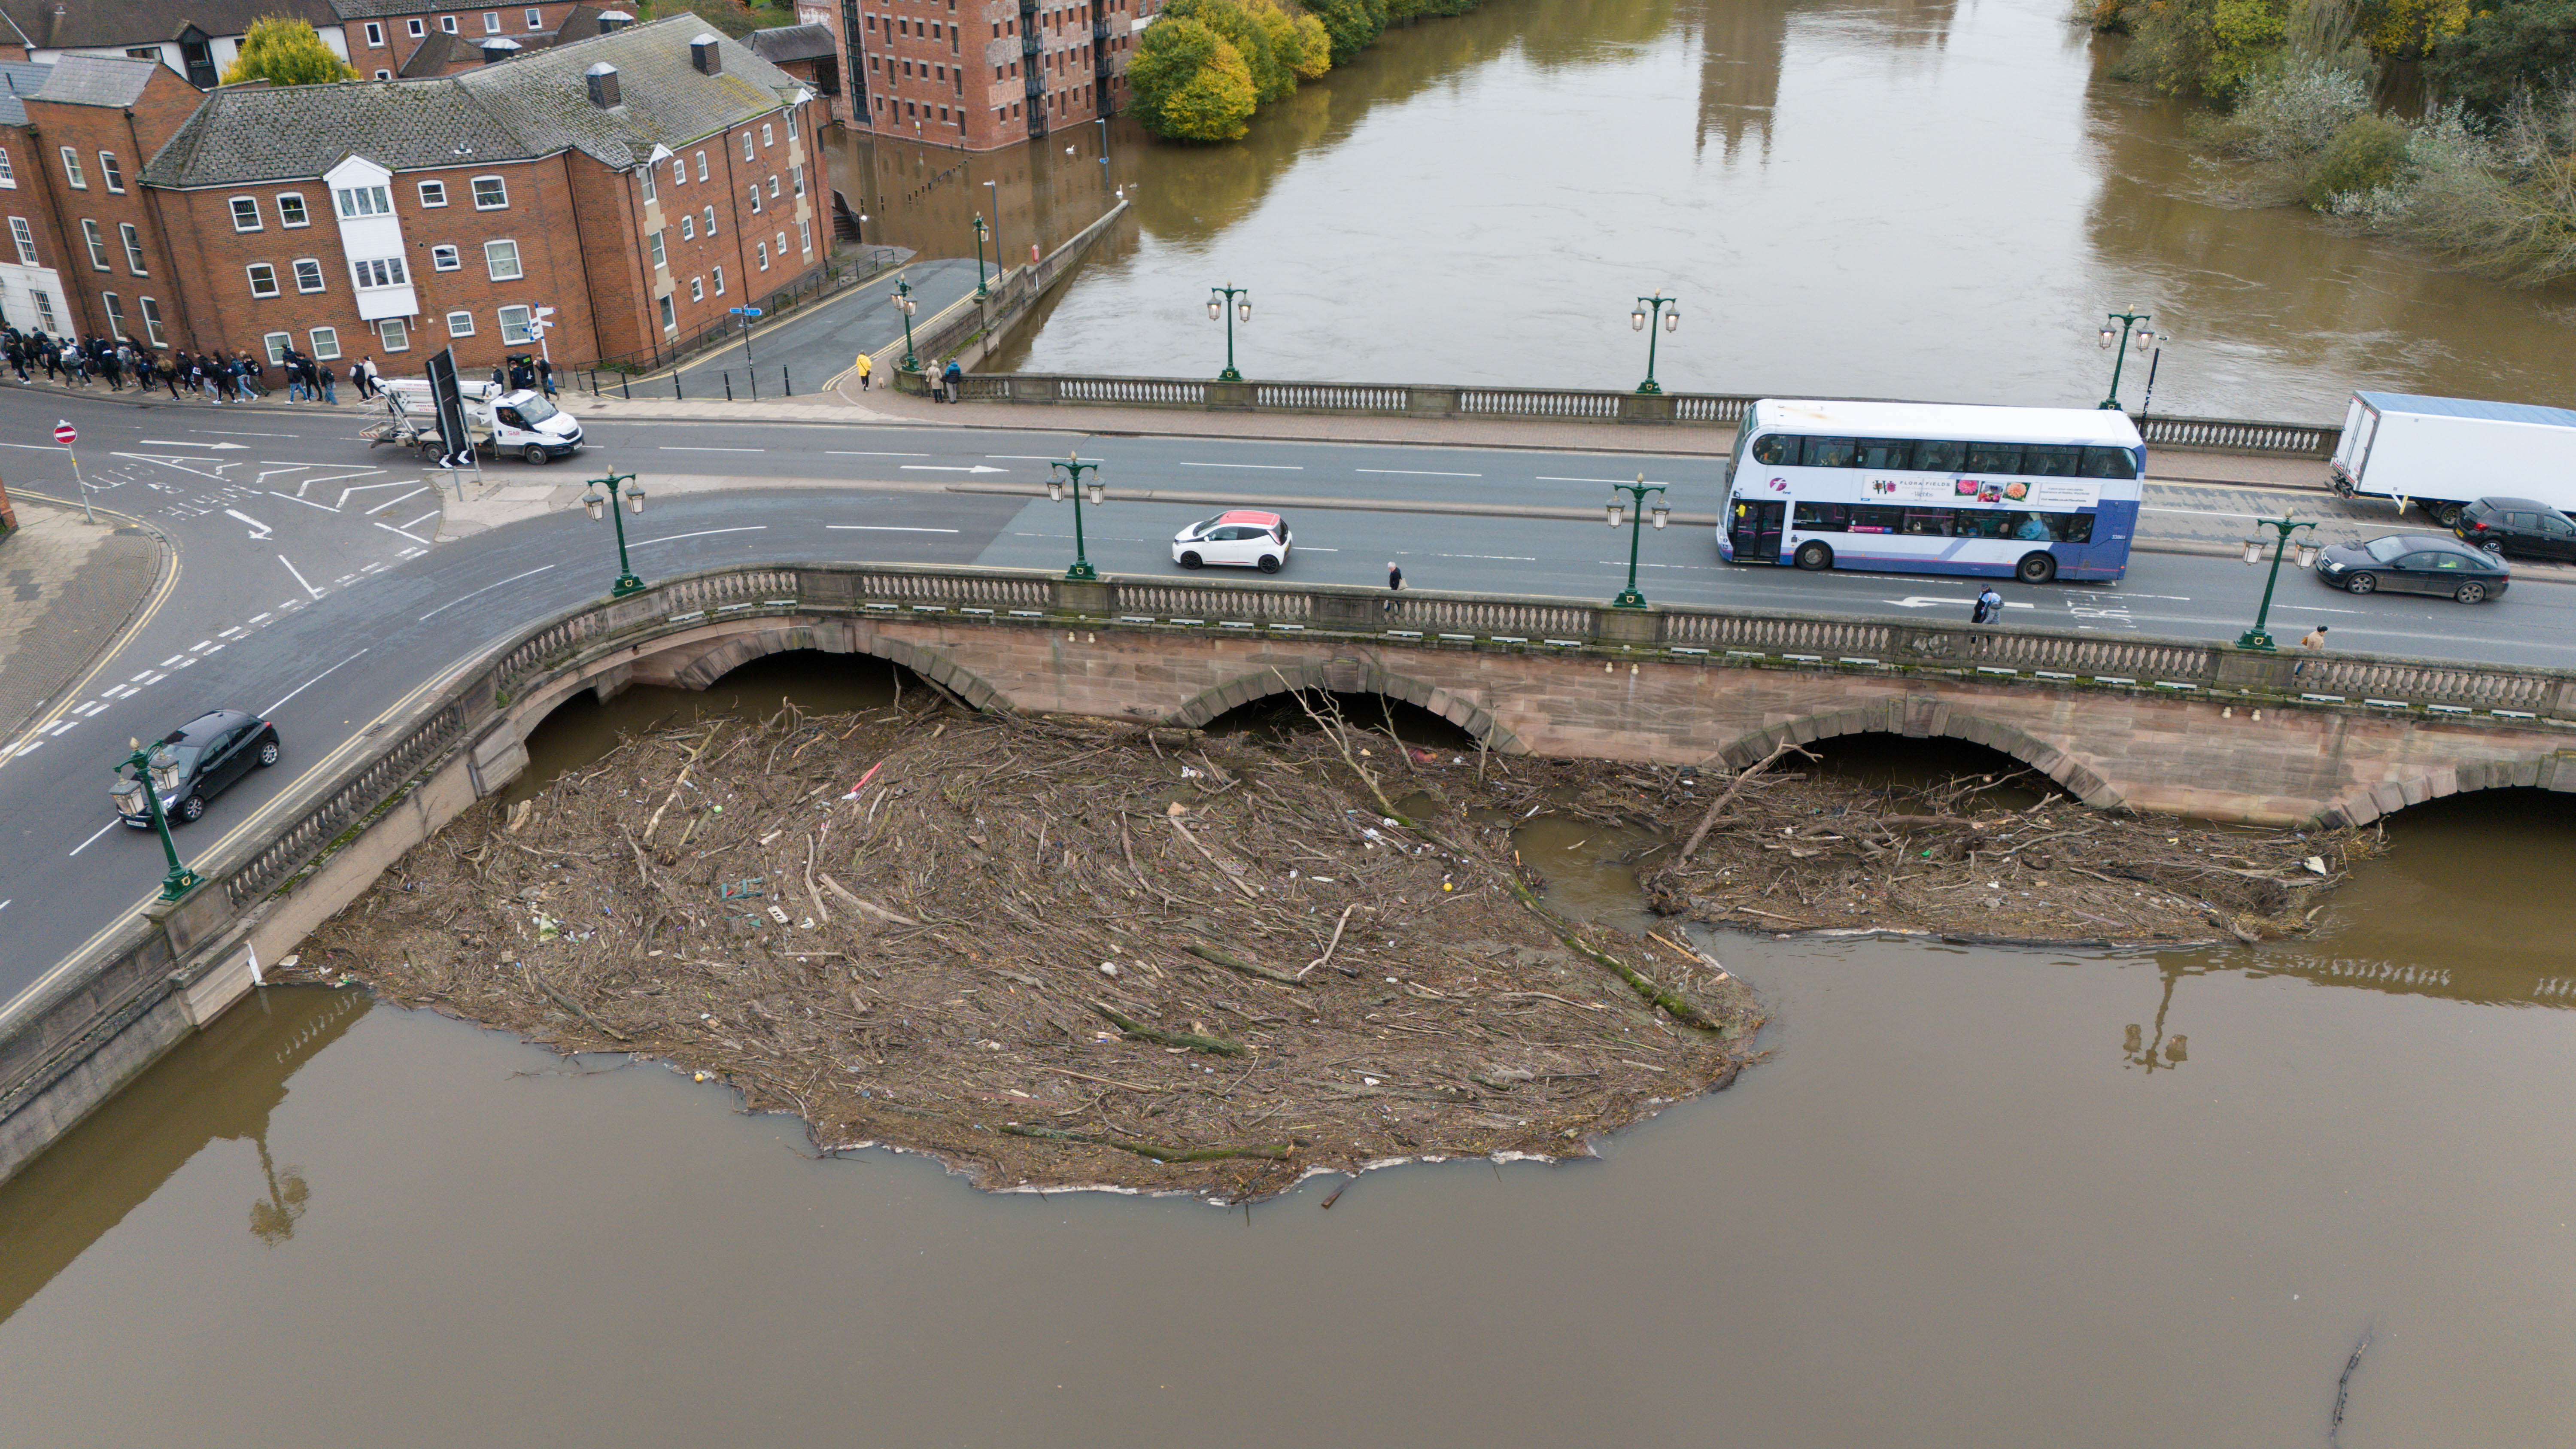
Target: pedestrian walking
546, 376
358, 377
2316, 638
375, 378
1394, 585
170, 376
953, 378
330, 390
1990, 607
863, 367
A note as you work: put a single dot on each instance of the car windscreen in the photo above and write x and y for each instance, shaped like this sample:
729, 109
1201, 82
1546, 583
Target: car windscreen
1201, 527
536, 410
2386, 550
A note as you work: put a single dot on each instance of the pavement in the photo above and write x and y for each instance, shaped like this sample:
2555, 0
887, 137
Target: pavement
68, 588
806, 352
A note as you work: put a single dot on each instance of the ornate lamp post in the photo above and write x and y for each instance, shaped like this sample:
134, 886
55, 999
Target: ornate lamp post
979, 255
1066, 477
1229, 303
2306, 554
152, 769
1634, 514
1644, 320
595, 502
2121, 341
903, 303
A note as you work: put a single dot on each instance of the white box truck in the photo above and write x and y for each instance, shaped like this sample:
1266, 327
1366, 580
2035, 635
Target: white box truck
2444, 453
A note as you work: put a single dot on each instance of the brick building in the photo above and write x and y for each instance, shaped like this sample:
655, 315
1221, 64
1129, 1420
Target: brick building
981, 74
389, 39
639, 183
196, 39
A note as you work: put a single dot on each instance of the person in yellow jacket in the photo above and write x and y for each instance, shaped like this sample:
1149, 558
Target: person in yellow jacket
862, 367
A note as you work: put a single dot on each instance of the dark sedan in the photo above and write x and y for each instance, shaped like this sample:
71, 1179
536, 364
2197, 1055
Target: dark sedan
2519, 526
193, 763
2414, 563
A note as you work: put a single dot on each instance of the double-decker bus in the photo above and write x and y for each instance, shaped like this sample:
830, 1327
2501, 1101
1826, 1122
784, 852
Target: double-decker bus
1933, 488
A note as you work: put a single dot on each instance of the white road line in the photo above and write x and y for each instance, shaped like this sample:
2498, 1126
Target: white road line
307, 502
1498, 557
424, 518
847, 453
61, 728
299, 579
169, 663
228, 633
93, 840
1543, 478
95, 706
218, 433
308, 684
703, 533
388, 503
1271, 467
669, 448
181, 443
886, 528
487, 588
204, 646
264, 529
1418, 472
373, 567
260, 618
1030, 458
4, 905
389, 528
118, 691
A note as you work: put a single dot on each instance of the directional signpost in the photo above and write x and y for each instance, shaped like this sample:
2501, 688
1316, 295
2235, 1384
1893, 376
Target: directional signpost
65, 435
746, 314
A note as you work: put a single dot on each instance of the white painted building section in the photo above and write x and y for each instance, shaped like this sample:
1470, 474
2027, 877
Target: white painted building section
371, 239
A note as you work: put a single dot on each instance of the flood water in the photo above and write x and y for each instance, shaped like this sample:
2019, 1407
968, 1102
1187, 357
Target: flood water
1913, 199
1976, 1198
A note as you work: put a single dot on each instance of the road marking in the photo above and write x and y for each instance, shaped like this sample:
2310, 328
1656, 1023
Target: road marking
1271, 467
389, 528
61, 728
1498, 557
307, 502
1919, 601
4, 905
211, 447
204, 646
118, 691
886, 528
388, 503
308, 684
260, 618
487, 588
373, 567
703, 533
846, 453
228, 633
263, 529
219, 433
1417, 472
1033, 458
948, 468
669, 448
1543, 478
93, 840
299, 579
95, 706
170, 663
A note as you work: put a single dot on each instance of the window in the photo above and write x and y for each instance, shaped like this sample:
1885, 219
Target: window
755, 198
354, 201
697, 290
460, 324
111, 173
491, 22
702, 166
395, 332
72, 169
133, 238
412, 28
308, 275
151, 321
1992, 458
326, 343
679, 171
379, 272
25, 237
263, 280
782, 246
115, 315
764, 135
746, 145
501, 259
646, 176
516, 330
490, 193
246, 213
275, 345
445, 258
798, 172
2110, 463
805, 236
536, 20
670, 314
661, 258
762, 251
97, 242
433, 193
718, 274
384, 75
290, 209
688, 227
707, 220
375, 35
773, 188
45, 311
447, 23
8, 173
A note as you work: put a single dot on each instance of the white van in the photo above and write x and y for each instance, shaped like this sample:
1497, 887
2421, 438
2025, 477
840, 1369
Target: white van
500, 421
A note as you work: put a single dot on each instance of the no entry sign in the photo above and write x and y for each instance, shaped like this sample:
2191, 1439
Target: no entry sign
64, 435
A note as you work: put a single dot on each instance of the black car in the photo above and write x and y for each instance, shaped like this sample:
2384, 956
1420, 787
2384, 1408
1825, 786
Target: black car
193, 763
2414, 563
2517, 526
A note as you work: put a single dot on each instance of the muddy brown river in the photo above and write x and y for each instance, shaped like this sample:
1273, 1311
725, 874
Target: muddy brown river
1978, 1197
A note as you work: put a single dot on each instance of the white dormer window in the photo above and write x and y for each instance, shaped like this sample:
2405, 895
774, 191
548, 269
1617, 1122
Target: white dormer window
415, 28
447, 23
354, 202
375, 36
491, 22
378, 272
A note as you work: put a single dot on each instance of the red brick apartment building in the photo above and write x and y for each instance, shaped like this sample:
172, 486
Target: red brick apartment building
982, 74
639, 182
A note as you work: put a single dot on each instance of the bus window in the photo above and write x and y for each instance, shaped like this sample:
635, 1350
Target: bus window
2110, 463
2046, 460
1994, 458
1930, 457
1820, 517
1775, 449
1831, 452
1928, 522
2033, 528
2073, 527
1982, 523
1876, 518
1886, 453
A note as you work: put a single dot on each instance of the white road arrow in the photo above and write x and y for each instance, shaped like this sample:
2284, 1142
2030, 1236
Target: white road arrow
176, 443
936, 468
1917, 601
259, 530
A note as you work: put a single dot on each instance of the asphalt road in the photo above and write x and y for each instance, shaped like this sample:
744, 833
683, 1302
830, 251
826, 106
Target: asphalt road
806, 352
305, 591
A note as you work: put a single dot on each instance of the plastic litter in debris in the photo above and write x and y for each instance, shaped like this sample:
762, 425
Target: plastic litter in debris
1189, 773
1108, 968
778, 914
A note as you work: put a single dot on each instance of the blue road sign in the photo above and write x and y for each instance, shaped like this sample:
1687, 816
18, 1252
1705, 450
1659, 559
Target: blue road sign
744, 311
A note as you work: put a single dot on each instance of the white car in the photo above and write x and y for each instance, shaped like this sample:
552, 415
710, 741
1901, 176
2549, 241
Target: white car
1242, 537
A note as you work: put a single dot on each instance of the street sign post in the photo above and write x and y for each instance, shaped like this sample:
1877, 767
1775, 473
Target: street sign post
538, 329
65, 435
746, 314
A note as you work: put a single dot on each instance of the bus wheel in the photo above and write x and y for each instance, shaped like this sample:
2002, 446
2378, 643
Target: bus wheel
2036, 568
1814, 557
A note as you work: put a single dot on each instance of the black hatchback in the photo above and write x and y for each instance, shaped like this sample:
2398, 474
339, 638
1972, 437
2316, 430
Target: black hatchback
2414, 563
2523, 527
193, 763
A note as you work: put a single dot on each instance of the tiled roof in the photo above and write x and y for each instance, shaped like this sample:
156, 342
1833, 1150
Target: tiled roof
18, 80
792, 42
536, 104
50, 24
435, 53
97, 80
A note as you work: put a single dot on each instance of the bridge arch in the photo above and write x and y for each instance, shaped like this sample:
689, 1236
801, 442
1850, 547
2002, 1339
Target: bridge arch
1348, 675
2372, 802
698, 658
1925, 718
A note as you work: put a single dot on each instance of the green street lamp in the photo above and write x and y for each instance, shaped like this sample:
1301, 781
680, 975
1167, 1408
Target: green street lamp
2120, 342
595, 502
980, 229
1229, 303
2306, 554
903, 303
1067, 478
154, 770
1646, 321
1634, 515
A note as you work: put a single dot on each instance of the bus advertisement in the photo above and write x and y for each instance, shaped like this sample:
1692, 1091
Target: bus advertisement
2029, 493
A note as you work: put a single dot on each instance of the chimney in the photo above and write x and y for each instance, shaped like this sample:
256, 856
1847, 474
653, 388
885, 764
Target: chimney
614, 20
498, 48
706, 56
603, 86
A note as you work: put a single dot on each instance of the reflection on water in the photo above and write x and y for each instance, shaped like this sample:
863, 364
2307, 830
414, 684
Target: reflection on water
1904, 198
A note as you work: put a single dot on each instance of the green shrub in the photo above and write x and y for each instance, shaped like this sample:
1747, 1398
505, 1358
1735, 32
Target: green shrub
2364, 156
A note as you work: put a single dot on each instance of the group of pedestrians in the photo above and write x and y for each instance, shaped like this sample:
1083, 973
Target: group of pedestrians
218, 375
521, 373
